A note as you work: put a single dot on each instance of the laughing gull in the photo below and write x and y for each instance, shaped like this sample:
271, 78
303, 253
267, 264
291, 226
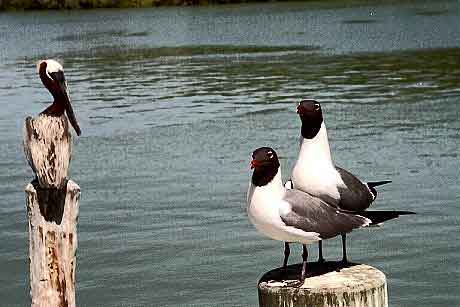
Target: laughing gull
292, 215
315, 173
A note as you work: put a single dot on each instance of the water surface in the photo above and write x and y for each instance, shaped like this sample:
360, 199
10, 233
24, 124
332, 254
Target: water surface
172, 101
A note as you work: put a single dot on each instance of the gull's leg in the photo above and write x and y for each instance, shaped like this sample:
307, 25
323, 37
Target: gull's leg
287, 252
320, 252
344, 248
304, 263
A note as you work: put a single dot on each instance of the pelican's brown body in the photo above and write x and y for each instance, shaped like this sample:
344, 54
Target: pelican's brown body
48, 149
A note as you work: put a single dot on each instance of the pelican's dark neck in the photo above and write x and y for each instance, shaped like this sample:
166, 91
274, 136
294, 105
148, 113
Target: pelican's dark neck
55, 109
263, 175
58, 106
47, 82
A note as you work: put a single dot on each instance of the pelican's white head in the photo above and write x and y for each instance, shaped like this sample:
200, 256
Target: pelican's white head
51, 66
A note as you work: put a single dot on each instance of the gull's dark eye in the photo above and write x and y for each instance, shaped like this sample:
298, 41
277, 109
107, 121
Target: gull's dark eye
317, 106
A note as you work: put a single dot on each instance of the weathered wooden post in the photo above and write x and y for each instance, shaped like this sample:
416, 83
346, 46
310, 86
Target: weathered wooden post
52, 200
52, 218
330, 284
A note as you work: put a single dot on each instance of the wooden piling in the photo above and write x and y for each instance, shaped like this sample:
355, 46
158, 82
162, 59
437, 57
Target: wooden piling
52, 207
328, 285
52, 216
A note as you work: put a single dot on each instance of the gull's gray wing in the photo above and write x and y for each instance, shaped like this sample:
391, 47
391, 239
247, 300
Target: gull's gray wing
311, 214
355, 196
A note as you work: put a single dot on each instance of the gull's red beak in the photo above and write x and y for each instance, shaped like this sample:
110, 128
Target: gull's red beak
253, 164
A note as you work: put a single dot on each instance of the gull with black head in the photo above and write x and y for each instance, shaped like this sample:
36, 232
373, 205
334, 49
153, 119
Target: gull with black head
314, 171
291, 215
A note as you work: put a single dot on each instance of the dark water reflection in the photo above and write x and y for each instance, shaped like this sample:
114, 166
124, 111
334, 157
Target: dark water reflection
169, 122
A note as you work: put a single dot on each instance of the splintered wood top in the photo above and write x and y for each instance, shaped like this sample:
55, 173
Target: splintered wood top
327, 277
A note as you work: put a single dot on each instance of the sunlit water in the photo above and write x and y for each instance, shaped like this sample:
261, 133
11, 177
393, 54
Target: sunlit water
172, 101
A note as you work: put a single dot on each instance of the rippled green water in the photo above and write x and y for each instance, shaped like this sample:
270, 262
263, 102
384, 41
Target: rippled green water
173, 101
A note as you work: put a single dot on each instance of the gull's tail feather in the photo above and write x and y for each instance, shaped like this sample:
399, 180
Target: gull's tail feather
378, 217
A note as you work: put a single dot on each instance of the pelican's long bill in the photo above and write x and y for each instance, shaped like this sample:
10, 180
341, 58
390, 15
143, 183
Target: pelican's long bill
59, 78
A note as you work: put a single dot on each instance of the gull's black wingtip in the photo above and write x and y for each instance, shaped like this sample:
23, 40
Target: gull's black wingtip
377, 183
405, 212
378, 217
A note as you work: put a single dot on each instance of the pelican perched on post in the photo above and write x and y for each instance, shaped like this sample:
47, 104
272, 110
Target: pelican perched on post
47, 140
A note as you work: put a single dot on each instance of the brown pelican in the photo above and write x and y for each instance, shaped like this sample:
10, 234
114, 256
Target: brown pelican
47, 140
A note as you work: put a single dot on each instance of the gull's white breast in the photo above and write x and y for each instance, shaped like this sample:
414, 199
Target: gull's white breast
265, 205
314, 172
